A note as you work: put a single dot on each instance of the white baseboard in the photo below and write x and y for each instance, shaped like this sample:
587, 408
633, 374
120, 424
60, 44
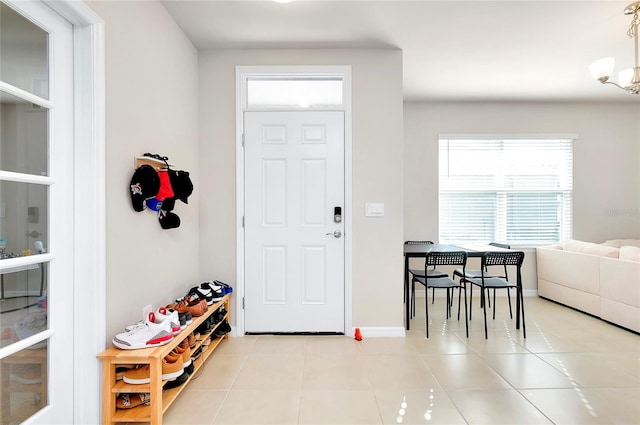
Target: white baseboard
380, 332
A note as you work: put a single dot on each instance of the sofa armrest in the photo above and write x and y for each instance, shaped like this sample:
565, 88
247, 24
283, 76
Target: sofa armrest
571, 269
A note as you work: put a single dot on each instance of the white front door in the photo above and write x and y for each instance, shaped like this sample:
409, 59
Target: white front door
294, 185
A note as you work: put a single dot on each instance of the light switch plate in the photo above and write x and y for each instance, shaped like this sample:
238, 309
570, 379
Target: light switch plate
374, 209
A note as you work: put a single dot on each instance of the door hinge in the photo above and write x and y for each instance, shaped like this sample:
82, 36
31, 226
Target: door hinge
243, 303
243, 140
243, 222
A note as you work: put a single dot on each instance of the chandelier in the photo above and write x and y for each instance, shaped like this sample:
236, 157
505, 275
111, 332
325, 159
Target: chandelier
628, 79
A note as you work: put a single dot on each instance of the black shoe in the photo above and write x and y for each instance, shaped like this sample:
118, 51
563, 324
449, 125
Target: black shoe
219, 315
222, 329
177, 382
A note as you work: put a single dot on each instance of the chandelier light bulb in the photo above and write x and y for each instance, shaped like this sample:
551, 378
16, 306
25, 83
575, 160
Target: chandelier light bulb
602, 68
625, 76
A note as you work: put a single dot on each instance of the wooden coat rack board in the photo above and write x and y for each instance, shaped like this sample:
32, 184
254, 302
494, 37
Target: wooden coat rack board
158, 164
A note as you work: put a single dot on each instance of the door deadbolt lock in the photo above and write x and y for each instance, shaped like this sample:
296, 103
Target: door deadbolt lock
335, 234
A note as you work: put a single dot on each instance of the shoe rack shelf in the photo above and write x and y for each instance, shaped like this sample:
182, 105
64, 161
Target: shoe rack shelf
160, 399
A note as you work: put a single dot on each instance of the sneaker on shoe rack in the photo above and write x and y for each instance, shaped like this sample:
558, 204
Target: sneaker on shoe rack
178, 381
171, 369
216, 290
173, 318
121, 369
202, 293
149, 333
130, 400
190, 369
186, 316
226, 289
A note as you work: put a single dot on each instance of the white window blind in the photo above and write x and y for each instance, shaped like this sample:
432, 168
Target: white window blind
516, 191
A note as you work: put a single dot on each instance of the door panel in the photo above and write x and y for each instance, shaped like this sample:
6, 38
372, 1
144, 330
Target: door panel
294, 178
36, 204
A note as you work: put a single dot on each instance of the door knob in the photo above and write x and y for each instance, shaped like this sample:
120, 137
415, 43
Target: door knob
335, 234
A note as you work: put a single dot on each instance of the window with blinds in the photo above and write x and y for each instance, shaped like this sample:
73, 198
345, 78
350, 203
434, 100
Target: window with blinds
515, 191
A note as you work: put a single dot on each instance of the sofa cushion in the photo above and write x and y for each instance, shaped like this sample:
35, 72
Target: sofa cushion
590, 248
619, 243
631, 253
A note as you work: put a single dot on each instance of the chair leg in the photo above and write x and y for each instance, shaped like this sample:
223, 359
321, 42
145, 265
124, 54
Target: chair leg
524, 327
484, 311
509, 298
413, 298
433, 295
426, 311
489, 299
459, 298
494, 303
466, 319
470, 299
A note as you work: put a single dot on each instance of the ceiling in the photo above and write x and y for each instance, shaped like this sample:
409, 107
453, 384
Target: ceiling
509, 50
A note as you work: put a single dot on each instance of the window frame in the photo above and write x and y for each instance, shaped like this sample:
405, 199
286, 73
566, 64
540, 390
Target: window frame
501, 193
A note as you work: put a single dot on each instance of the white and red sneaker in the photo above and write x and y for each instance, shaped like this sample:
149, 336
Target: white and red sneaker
172, 316
150, 333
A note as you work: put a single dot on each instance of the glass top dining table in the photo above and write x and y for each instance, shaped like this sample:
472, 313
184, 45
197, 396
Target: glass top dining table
421, 250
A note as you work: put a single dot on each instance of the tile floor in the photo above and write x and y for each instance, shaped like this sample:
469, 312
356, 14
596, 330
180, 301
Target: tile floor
571, 369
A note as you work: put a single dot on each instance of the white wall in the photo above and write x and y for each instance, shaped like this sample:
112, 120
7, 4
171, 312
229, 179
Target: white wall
606, 161
151, 106
377, 169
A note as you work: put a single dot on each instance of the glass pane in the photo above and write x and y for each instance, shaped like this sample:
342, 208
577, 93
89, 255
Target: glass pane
23, 136
23, 219
24, 380
296, 92
23, 47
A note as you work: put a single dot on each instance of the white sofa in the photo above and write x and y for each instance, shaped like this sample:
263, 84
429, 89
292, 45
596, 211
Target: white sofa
599, 279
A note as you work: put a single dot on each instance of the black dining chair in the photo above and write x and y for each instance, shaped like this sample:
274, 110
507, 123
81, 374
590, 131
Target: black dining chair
421, 273
486, 281
430, 280
474, 274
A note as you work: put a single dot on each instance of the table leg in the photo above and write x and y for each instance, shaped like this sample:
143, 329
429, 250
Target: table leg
407, 302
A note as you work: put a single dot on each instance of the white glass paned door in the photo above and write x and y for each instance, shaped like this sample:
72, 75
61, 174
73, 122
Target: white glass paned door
36, 204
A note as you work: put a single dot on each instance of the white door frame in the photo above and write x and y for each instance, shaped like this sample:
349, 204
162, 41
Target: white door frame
89, 247
242, 74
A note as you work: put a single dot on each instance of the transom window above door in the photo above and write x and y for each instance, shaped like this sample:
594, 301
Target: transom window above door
297, 92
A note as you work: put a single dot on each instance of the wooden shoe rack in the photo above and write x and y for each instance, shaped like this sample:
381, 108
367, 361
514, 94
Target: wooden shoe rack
160, 400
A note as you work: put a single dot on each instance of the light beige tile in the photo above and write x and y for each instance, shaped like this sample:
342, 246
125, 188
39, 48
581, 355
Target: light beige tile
188, 408
496, 407
331, 346
269, 372
253, 407
589, 405
431, 406
527, 371
338, 372
219, 373
237, 346
280, 345
338, 407
398, 372
498, 342
463, 371
372, 346
447, 342
598, 369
